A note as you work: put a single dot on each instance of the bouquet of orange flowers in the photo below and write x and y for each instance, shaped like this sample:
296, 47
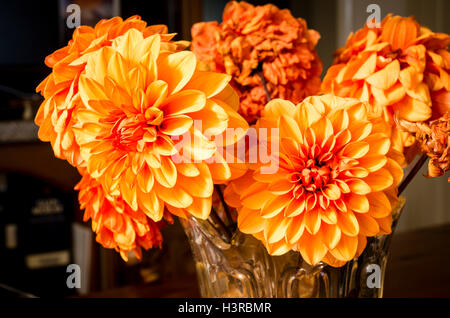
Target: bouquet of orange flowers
152, 128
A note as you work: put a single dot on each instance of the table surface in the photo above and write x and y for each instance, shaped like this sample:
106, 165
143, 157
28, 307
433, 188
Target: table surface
418, 266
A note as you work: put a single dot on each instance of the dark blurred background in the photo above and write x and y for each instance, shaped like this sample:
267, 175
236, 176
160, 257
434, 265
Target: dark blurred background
41, 231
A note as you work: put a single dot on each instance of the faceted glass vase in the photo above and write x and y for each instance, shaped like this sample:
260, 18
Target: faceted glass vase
242, 268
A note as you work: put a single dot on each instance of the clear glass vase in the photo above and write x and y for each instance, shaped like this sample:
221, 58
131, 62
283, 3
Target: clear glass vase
243, 268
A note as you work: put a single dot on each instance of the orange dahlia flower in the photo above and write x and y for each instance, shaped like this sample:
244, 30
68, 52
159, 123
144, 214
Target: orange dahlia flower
401, 69
116, 224
334, 187
253, 38
60, 88
136, 125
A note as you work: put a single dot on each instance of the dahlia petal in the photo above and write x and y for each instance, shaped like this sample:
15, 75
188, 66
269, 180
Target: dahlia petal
237, 124
90, 90
176, 69
380, 206
331, 235
221, 171
280, 187
329, 215
249, 221
232, 198
289, 128
278, 248
175, 196
412, 109
269, 177
145, 180
379, 144
125, 43
164, 146
295, 229
187, 169
166, 174
385, 225
331, 191
274, 206
213, 118
200, 207
399, 32
156, 93
348, 223
386, 77
357, 203
256, 196
200, 186
128, 193
275, 228
367, 68
229, 96
355, 149
346, 249
358, 186
323, 129
198, 147
176, 125
295, 207
97, 64
379, 180
373, 162
420, 93
339, 119
410, 78
357, 112
342, 138
186, 101
150, 45
151, 205
182, 213
152, 160
278, 107
357, 172
119, 72
360, 131
312, 248
333, 261
312, 221
305, 115
395, 169
211, 83
367, 225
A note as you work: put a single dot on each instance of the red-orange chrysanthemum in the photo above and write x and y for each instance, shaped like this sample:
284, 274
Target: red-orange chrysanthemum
334, 187
60, 88
252, 38
116, 224
401, 69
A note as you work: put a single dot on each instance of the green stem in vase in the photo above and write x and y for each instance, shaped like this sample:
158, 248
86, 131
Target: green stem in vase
219, 225
225, 206
412, 173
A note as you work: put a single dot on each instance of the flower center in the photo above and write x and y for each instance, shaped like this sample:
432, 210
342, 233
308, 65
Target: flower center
312, 174
130, 133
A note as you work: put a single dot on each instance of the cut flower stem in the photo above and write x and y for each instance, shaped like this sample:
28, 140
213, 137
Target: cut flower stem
412, 173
